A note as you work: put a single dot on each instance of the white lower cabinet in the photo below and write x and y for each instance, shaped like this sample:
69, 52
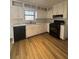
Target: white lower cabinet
62, 32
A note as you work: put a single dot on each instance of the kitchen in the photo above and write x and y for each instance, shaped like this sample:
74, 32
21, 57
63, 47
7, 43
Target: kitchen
17, 17
43, 10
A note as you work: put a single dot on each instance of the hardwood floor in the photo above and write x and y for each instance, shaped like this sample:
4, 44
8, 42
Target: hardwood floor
41, 46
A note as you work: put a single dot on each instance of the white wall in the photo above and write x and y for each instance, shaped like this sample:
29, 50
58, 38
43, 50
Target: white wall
60, 8
50, 13
41, 13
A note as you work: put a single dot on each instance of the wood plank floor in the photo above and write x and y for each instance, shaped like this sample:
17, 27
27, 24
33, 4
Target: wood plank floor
41, 46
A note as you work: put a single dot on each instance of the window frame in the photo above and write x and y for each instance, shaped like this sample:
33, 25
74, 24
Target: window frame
29, 15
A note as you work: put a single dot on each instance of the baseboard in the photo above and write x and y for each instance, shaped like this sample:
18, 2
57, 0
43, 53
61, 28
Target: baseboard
36, 35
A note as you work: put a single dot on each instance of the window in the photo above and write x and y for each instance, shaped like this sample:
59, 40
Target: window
29, 14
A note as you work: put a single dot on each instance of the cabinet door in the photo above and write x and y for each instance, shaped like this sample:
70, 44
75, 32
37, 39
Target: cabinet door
14, 12
62, 32
17, 12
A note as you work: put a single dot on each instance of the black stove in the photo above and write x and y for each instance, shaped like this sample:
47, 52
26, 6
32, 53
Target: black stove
54, 28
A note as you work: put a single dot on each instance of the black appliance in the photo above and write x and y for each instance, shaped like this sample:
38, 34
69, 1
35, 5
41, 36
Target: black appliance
19, 33
54, 28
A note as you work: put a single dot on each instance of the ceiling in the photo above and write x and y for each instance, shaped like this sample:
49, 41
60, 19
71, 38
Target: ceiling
42, 3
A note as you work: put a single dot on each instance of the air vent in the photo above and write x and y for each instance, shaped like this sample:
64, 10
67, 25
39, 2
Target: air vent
58, 16
15, 3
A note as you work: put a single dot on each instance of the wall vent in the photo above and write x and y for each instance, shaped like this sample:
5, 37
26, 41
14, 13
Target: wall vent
15, 3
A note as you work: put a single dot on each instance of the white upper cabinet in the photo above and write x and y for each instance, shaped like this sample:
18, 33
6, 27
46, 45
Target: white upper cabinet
16, 11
